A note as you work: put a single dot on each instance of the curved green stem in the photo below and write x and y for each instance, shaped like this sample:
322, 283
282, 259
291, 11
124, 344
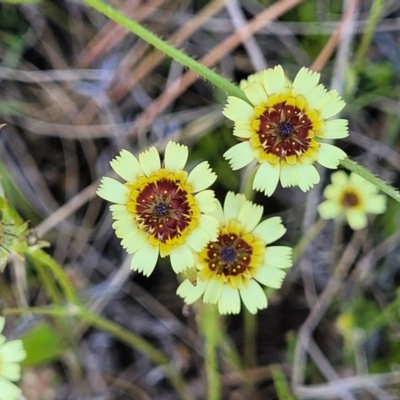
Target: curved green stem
47, 281
42, 258
168, 49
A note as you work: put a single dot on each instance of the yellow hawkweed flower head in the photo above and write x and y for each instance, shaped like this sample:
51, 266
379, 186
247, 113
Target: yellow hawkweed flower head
351, 197
235, 264
161, 210
11, 354
283, 127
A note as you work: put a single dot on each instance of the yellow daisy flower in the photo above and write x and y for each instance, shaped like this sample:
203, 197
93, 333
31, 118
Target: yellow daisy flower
282, 127
240, 259
351, 197
160, 210
11, 354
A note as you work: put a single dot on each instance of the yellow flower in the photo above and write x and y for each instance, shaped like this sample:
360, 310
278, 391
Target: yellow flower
11, 354
282, 129
240, 259
351, 197
161, 210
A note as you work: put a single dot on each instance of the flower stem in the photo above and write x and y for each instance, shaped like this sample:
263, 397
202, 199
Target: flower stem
249, 349
368, 32
211, 329
167, 49
280, 383
43, 259
47, 281
370, 177
307, 238
337, 242
247, 182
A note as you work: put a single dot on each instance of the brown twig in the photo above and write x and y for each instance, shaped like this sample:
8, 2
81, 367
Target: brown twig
333, 41
112, 33
218, 52
148, 63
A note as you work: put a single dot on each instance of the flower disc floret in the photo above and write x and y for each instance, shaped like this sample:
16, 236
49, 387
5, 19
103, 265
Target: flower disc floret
11, 355
283, 127
233, 267
351, 198
161, 209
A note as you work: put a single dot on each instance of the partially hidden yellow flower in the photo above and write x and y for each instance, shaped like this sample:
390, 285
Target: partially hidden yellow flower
11, 354
282, 127
352, 198
233, 267
161, 210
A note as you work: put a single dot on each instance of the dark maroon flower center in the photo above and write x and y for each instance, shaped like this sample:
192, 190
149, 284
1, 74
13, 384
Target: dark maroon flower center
229, 255
163, 209
350, 199
284, 130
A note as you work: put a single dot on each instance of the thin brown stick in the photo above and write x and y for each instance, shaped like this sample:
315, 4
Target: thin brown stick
333, 41
148, 63
112, 33
218, 52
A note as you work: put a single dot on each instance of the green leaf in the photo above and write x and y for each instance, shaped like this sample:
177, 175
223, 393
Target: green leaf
42, 344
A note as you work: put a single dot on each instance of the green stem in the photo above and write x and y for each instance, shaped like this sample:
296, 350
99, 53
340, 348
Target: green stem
168, 49
337, 242
230, 354
249, 350
367, 36
211, 329
280, 383
47, 281
40, 257
306, 239
122, 334
247, 183
51, 312
370, 177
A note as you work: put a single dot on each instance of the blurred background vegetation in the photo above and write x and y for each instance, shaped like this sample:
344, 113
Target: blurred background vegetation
76, 88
